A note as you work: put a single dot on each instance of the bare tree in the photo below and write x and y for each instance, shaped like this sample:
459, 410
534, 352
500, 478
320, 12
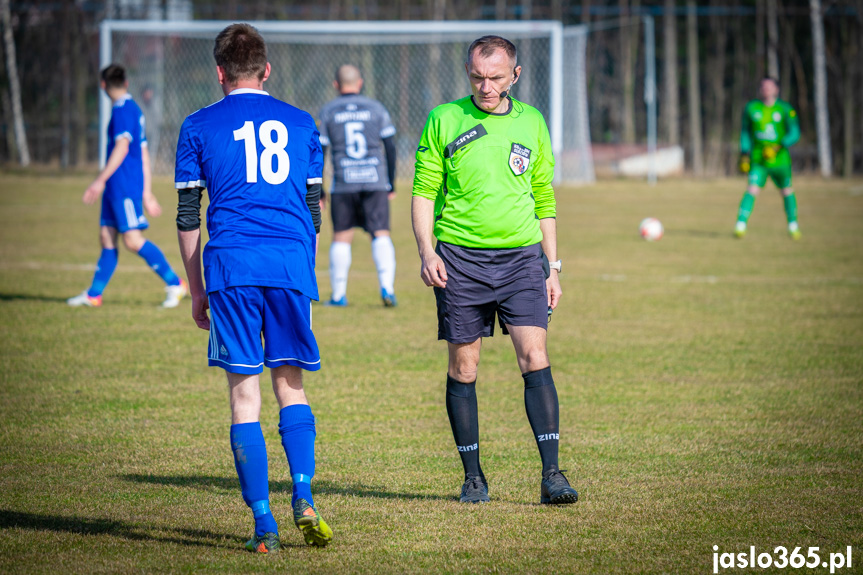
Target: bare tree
671, 96
759, 38
716, 99
692, 65
739, 94
772, 39
786, 64
822, 119
81, 83
849, 47
14, 84
859, 59
500, 9
628, 42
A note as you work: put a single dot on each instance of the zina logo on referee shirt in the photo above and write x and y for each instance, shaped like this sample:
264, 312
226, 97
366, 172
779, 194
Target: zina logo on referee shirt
519, 159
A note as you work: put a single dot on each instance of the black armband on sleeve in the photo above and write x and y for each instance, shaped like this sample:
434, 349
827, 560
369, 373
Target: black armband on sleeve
390, 147
313, 200
189, 209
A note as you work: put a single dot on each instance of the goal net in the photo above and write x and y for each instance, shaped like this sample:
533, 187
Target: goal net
411, 67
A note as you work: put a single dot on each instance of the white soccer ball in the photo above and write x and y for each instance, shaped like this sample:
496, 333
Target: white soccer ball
651, 229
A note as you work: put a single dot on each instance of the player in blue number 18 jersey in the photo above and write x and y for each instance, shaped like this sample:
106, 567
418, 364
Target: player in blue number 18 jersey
260, 160
125, 180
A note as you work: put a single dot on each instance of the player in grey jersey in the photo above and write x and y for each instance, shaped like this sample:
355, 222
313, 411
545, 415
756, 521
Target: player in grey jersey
360, 134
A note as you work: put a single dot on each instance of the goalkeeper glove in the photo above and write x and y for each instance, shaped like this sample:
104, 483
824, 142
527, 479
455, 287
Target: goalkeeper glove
744, 163
770, 151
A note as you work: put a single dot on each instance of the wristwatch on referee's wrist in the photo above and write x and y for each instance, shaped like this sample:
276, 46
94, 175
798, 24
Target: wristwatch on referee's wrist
555, 265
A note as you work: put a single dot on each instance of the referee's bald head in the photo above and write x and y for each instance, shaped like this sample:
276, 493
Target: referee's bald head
348, 78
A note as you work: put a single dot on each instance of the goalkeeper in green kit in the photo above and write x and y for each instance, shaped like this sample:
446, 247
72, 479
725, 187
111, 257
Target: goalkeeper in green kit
770, 127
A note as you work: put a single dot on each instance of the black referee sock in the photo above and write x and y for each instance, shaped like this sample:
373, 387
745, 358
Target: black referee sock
540, 402
462, 411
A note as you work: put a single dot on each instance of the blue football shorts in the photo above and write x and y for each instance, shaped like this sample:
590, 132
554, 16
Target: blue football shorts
239, 316
123, 213
484, 283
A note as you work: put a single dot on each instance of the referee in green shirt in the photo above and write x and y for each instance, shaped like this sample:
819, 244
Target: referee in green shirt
484, 168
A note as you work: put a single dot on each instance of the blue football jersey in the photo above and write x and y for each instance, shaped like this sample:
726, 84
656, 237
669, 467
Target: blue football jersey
255, 155
127, 121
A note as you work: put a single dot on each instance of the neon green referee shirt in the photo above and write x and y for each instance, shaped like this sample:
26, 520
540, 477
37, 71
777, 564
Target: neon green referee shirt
488, 174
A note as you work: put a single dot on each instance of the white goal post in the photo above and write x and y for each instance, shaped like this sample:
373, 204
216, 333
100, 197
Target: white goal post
410, 66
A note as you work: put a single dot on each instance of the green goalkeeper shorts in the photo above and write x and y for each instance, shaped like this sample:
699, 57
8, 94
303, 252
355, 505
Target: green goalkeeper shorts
779, 170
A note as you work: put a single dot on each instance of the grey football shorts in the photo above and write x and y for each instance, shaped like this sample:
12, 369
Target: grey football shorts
484, 283
367, 210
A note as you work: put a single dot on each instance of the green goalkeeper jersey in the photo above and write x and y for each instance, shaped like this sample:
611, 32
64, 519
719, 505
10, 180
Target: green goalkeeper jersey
765, 126
488, 174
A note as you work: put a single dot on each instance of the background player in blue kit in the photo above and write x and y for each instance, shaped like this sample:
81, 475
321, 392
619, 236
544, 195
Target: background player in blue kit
260, 160
125, 179
362, 138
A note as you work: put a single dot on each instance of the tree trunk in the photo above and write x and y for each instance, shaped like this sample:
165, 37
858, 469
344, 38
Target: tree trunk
772, 39
65, 86
628, 43
82, 82
500, 9
692, 60
741, 80
785, 68
558, 9
859, 59
848, 80
6, 103
14, 84
803, 112
759, 38
716, 74
822, 120
526, 9
671, 97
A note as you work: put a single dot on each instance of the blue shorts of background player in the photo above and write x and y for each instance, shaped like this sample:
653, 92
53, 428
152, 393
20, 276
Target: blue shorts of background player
123, 213
239, 316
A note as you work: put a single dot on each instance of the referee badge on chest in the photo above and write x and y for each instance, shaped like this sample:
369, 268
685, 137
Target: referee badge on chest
519, 159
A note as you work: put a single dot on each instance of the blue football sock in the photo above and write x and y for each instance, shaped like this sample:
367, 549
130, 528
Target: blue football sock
297, 428
156, 260
104, 270
250, 459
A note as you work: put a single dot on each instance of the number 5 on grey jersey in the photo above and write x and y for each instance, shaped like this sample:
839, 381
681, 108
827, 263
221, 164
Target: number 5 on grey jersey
354, 127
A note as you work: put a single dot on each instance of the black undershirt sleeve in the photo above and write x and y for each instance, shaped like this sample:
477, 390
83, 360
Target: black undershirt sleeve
189, 209
390, 147
313, 200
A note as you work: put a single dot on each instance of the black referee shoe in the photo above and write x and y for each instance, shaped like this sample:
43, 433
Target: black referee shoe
474, 490
555, 489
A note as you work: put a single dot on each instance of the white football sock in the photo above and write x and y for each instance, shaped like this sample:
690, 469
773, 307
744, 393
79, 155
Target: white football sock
340, 265
384, 254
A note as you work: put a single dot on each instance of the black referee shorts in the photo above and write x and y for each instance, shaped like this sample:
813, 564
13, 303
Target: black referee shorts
367, 210
484, 283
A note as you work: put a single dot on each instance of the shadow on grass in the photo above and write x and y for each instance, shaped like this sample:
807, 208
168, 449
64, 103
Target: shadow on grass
322, 487
700, 233
30, 297
115, 528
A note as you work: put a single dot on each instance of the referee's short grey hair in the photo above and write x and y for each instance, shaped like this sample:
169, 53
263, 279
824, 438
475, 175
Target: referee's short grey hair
487, 45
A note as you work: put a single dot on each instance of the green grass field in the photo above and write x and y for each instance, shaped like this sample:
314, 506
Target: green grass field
711, 394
